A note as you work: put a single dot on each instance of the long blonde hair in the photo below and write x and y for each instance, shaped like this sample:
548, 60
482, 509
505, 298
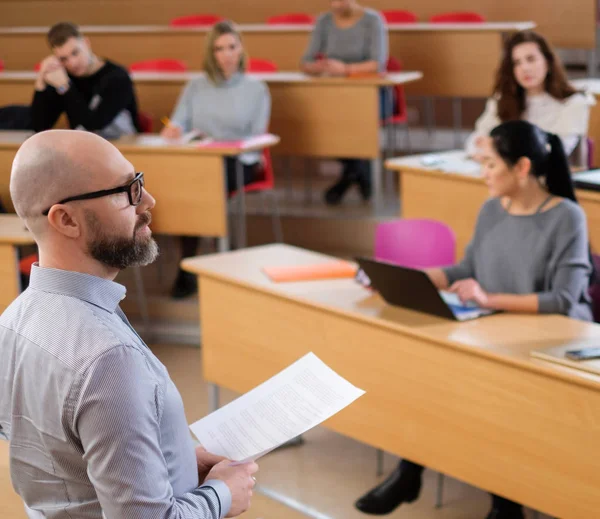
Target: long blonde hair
210, 62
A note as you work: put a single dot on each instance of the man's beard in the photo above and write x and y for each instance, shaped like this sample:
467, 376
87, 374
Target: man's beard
120, 252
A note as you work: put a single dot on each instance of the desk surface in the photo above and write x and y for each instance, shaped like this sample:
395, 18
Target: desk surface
152, 143
588, 179
272, 77
13, 231
398, 27
508, 338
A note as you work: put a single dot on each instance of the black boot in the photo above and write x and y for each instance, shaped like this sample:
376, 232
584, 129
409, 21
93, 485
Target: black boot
185, 285
505, 509
334, 195
402, 486
364, 180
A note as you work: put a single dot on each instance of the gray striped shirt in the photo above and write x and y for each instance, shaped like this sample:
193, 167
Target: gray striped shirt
96, 426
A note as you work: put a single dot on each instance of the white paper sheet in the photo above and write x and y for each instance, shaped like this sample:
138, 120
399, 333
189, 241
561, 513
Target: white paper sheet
295, 400
157, 140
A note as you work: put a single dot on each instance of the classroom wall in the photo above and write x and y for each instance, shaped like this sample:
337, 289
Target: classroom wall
568, 24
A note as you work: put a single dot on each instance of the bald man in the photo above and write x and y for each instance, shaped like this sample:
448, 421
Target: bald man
96, 426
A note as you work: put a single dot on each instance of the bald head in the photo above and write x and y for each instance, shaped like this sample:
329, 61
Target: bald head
57, 164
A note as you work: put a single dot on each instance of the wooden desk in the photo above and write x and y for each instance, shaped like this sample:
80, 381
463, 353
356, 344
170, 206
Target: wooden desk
465, 399
446, 53
12, 235
593, 86
328, 117
187, 181
455, 197
325, 118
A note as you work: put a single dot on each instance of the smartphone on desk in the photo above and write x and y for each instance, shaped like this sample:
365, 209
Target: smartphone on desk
583, 354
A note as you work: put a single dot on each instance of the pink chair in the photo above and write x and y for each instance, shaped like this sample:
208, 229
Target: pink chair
261, 65
159, 65
399, 17
458, 17
415, 243
195, 20
145, 122
291, 19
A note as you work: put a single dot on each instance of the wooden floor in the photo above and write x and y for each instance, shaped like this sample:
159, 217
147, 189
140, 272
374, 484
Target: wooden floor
320, 479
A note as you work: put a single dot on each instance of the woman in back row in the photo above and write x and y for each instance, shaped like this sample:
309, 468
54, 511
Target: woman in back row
529, 254
349, 40
226, 104
531, 84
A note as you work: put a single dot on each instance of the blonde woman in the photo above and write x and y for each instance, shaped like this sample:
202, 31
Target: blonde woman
225, 104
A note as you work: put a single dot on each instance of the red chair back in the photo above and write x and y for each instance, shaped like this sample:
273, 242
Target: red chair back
195, 20
458, 17
400, 107
159, 65
399, 16
37, 67
145, 122
1, 65
261, 65
291, 19
267, 181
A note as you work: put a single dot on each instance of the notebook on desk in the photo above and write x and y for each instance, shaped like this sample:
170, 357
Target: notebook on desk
319, 271
412, 289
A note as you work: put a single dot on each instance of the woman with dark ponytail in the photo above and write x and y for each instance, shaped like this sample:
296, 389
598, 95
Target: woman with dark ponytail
529, 254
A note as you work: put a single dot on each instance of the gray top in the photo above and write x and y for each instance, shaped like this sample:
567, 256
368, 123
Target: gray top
232, 110
366, 40
95, 424
546, 253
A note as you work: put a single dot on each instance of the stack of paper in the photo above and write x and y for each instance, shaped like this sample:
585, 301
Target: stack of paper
295, 400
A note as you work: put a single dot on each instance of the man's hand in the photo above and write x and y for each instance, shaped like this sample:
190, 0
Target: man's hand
206, 461
240, 482
57, 77
47, 65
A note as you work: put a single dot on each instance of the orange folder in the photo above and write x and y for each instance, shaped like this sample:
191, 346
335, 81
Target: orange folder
329, 270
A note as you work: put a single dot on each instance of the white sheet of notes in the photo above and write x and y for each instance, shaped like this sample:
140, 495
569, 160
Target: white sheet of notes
295, 400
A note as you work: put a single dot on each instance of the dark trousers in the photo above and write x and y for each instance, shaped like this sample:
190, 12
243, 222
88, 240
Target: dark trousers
189, 244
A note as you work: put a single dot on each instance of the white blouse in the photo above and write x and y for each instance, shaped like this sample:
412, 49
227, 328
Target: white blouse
568, 118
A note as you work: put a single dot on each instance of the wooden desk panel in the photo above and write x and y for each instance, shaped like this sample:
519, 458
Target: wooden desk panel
465, 399
9, 275
566, 25
185, 187
327, 118
12, 234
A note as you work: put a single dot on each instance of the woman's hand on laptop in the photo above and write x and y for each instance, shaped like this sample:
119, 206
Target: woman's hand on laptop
469, 290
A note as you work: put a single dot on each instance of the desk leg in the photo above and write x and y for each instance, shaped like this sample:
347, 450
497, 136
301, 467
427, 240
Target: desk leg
213, 397
591, 63
457, 116
377, 173
239, 169
223, 244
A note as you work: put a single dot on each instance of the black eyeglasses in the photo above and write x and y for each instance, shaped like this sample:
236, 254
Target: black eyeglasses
134, 190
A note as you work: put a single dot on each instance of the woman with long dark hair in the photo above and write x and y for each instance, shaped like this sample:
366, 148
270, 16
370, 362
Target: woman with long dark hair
529, 254
531, 84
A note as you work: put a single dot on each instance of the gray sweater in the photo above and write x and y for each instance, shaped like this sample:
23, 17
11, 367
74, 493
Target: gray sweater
545, 253
366, 40
233, 110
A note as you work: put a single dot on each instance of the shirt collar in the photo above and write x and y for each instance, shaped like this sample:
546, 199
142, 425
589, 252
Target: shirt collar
233, 80
92, 289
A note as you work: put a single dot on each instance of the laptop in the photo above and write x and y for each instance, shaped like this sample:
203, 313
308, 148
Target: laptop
412, 289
